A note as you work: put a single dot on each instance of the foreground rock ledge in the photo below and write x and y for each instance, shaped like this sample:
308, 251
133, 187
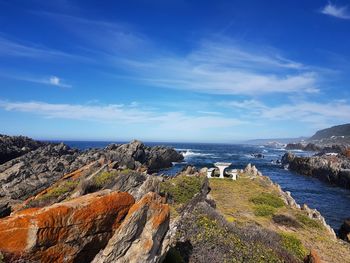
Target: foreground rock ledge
139, 238
73, 231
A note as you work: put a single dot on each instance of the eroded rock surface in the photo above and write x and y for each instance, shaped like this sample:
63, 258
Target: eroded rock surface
139, 238
14, 146
73, 231
35, 171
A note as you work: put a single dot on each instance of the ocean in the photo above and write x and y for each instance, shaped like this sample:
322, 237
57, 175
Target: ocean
333, 202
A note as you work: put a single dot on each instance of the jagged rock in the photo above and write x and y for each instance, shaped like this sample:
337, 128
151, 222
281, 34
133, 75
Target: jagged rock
305, 147
189, 170
159, 157
252, 170
35, 171
344, 231
316, 215
331, 169
135, 155
73, 231
14, 146
139, 238
312, 257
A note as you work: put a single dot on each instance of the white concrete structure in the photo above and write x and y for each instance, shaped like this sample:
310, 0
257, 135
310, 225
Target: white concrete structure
222, 167
234, 173
210, 172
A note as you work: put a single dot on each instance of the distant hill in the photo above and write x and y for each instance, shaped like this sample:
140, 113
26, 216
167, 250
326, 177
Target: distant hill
335, 131
278, 140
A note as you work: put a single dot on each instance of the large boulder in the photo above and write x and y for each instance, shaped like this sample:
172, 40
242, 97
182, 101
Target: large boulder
14, 146
135, 154
139, 238
73, 231
160, 157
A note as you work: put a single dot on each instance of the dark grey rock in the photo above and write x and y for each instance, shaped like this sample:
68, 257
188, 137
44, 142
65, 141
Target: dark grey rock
5, 210
344, 231
14, 146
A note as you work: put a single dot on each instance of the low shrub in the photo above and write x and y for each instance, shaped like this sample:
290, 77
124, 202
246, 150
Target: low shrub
264, 210
53, 195
59, 190
307, 221
182, 188
285, 221
103, 178
268, 199
292, 244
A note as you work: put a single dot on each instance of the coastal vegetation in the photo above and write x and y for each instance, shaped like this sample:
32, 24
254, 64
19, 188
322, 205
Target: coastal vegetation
182, 188
293, 244
257, 200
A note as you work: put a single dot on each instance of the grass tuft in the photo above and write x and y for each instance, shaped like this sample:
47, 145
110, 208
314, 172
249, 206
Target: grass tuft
103, 178
182, 188
62, 189
292, 244
307, 221
264, 210
268, 199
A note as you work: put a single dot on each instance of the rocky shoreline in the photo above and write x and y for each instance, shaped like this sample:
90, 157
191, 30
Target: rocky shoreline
333, 169
59, 204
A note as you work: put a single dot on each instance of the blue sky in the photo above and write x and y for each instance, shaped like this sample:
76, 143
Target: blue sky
191, 71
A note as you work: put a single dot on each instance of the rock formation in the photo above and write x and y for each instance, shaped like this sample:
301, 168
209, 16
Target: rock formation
331, 169
33, 172
73, 231
301, 146
139, 238
14, 146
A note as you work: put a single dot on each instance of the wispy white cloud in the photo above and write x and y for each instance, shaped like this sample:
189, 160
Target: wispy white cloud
51, 80
99, 36
341, 12
56, 81
17, 49
119, 113
315, 113
224, 68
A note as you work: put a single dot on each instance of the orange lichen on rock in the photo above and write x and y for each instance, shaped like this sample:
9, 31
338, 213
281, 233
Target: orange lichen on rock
163, 212
74, 176
139, 237
313, 257
61, 231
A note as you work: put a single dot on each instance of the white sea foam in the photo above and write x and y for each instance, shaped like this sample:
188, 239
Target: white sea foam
190, 153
